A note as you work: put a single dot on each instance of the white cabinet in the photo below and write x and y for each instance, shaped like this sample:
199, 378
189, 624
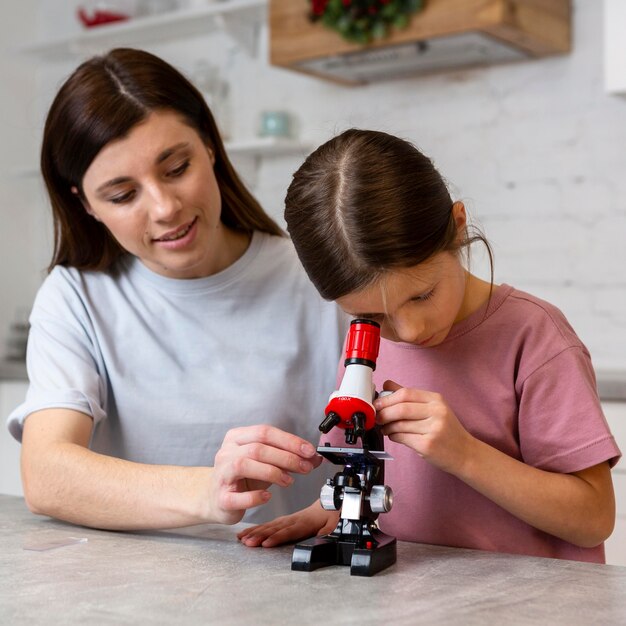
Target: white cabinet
12, 393
616, 544
615, 46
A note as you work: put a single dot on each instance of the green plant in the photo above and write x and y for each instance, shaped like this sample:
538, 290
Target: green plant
361, 21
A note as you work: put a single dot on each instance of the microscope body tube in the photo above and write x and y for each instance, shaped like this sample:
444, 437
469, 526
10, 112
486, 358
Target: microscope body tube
355, 395
351, 405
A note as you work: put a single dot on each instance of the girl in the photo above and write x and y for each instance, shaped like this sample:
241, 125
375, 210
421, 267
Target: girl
175, 356
495, 424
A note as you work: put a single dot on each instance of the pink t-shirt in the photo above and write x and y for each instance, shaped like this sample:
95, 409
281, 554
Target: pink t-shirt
518, 378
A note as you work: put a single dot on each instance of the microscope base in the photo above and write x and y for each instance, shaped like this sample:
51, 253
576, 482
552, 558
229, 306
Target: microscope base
333, 550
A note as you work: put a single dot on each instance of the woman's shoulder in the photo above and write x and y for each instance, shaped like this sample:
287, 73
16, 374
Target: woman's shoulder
67, 286
278, 254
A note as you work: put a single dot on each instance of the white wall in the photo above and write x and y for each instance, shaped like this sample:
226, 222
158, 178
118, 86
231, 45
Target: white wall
536, 150
21, 215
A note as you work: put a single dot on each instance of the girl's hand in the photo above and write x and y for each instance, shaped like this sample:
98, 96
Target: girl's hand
313, 520
250, 460
424, 422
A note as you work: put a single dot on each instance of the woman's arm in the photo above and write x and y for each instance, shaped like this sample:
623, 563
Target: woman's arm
62, 478
577, 507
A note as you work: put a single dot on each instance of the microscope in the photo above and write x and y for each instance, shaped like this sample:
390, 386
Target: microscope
358, 491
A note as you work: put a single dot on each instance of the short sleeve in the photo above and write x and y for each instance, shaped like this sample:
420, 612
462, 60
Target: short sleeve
61, 359
561, 424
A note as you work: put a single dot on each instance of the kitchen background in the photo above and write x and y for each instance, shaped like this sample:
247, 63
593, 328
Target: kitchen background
534, 148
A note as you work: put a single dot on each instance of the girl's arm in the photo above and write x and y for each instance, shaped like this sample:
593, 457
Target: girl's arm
62, 478
577, 507
314, 520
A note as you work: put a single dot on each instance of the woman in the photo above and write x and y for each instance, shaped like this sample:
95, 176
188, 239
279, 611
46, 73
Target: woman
175, 310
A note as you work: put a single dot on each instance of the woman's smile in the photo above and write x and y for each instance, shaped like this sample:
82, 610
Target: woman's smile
179, 237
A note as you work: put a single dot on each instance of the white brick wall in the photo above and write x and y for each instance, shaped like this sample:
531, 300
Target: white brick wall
536, 149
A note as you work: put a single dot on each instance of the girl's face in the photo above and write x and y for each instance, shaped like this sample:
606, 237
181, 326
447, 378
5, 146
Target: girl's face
418, 305
156, 192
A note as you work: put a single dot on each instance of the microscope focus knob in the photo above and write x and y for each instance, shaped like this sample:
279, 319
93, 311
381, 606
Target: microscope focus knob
381, 499
328, 498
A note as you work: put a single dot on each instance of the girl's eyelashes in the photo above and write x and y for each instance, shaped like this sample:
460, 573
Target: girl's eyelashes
424, 296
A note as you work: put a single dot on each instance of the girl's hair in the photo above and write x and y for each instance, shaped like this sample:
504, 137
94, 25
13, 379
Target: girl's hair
100, 102
364, 203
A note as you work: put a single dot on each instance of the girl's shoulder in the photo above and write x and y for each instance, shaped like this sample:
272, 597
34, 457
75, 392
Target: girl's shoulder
536, 316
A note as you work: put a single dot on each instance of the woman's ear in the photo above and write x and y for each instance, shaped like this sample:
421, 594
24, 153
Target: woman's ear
84, 202
460, 220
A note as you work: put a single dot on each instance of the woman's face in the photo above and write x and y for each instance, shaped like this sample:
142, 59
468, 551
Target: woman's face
156, 192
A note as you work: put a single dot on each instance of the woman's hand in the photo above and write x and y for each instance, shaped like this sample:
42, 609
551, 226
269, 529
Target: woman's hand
424, 422
313, 520
250, 460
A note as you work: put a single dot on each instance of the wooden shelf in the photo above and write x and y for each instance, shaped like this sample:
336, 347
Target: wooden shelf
240, 18
446, 34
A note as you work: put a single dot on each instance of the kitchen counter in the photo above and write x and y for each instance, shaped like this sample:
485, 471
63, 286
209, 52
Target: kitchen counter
203, 575
611, 385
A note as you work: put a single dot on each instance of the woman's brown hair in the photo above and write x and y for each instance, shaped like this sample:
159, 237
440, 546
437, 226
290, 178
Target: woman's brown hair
101, 101
367, 202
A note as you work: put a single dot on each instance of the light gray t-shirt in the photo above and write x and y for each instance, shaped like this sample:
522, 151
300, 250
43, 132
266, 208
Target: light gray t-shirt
165, 367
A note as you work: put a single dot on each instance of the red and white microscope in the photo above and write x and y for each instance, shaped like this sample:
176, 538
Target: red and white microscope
358, 491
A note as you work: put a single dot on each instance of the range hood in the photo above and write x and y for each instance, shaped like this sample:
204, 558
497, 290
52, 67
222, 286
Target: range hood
446, 34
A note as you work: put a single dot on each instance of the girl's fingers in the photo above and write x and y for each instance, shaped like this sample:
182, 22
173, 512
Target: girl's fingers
262, 529
405, 394
283, 535
410, 427
260, 534
404, 411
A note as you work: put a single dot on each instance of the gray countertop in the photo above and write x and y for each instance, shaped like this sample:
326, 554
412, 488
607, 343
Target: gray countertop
611, 385
202, 575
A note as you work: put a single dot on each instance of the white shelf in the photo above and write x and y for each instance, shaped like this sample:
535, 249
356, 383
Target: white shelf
267, 147
256, 147
240, 18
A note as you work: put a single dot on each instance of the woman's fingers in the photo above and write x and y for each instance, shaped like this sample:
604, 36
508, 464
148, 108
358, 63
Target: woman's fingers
244, 467
277, 457
271, 436
241, 500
